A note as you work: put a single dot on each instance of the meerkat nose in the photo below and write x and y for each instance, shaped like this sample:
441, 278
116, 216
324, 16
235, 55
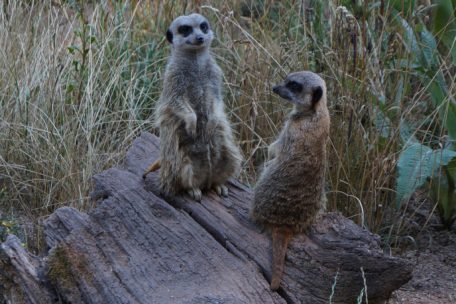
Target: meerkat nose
199, 39
275, 89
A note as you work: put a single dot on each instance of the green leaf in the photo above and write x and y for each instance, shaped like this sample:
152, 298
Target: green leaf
450, 122
399, 91
405, 64
444, 24
442, 191
405, 7
444, 18
428, 48
451, 169
72, 49
406, 133
383, 124
408, 36
416, 164
442, 98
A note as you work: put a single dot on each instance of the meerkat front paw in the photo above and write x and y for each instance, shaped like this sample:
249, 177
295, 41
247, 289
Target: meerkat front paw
196, 194
212, 125
190, 125
221, 190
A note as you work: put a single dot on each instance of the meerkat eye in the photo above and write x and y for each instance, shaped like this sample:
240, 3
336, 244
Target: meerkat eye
294, 86
185, 30
204, 27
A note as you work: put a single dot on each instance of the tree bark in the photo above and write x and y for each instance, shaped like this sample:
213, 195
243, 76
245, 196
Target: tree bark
139, 247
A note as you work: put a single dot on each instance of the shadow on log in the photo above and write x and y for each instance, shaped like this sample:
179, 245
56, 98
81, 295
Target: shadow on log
136, 247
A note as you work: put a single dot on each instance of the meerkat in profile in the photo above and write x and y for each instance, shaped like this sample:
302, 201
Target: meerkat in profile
197, 150
290, 190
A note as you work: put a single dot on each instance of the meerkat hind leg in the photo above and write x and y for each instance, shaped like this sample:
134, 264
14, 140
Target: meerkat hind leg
188, 182
281, 236
221, 190
154, 167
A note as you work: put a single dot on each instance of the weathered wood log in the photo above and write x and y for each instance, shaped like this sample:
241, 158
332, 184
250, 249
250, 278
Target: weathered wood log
137, 247
22, 278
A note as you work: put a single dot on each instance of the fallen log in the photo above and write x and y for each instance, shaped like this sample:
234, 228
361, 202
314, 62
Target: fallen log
138, 247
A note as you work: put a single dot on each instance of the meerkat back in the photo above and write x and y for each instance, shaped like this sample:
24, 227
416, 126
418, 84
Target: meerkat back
290, 191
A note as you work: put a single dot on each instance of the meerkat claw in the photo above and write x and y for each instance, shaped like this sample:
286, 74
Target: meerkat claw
196, 194
218, 190
221, 190
224, 191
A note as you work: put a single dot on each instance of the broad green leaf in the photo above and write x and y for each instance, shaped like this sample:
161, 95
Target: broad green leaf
405, 7
453, 53
405, 64
382, 123
451, 169
408, 36
399, 91
416, 164
428, 48
444, 24
441, 97
406, 133
450, 122
442, 191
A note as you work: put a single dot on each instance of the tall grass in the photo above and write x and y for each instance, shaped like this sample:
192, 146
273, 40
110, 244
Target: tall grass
81, 81
77, 86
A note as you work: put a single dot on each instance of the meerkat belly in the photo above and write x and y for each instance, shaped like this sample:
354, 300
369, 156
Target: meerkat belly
204, 148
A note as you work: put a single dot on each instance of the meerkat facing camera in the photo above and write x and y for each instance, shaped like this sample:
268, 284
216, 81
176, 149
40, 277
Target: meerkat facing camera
290, 190
197, 150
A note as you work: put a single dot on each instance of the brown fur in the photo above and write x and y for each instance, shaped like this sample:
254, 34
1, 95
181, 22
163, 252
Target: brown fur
290, 191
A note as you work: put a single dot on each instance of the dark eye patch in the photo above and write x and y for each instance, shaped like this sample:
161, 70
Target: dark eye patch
185, 30
294, 86
204, 27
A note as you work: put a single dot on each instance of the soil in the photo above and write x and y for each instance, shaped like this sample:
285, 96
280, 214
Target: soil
433, 250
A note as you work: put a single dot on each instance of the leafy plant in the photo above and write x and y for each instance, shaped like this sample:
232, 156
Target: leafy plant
419, 162
443, 191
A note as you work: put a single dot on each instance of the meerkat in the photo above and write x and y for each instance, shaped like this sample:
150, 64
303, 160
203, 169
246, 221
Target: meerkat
290, 191
197, 149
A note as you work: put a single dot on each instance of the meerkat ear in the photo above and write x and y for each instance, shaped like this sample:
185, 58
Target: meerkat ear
169, 36
316, 94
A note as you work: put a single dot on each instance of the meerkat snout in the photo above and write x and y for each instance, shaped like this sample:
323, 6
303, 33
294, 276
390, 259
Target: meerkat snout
190, 33
199, 40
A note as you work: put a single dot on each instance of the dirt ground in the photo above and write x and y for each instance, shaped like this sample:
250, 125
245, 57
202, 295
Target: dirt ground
433, 251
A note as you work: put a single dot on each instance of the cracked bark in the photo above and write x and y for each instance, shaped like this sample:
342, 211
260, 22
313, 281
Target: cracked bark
137, 247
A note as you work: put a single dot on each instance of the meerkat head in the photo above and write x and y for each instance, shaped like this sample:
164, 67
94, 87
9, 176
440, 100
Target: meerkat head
191, 32
305, 89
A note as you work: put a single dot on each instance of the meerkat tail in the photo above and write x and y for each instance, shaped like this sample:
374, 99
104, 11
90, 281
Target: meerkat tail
280, 239
154, 167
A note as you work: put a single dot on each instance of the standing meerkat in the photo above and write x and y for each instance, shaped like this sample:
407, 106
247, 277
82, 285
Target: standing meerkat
197, 149
290, 191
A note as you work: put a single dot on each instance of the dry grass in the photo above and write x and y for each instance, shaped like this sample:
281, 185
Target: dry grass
80, 84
